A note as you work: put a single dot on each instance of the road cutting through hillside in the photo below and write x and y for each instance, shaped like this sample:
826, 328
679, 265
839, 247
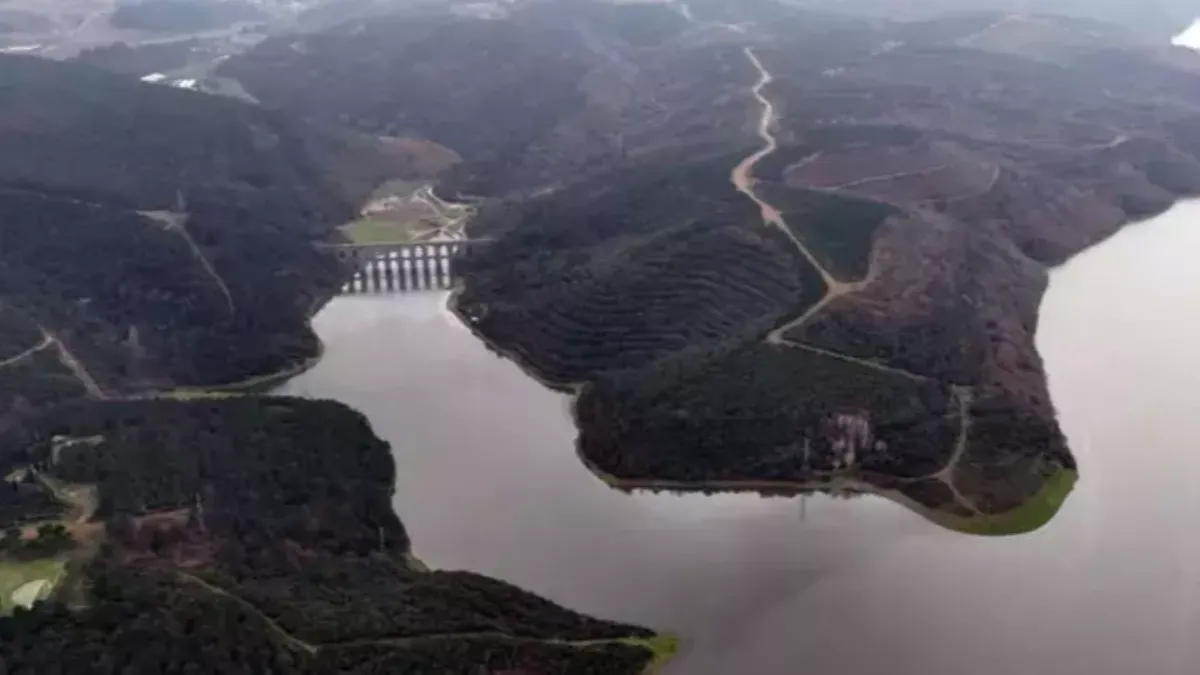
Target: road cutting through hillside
46, 342
743, 179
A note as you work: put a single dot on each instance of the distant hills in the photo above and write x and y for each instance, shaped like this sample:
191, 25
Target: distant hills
541, 95
1156, 20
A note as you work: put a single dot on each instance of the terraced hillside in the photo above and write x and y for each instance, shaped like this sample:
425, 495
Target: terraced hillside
661, 259
922, 177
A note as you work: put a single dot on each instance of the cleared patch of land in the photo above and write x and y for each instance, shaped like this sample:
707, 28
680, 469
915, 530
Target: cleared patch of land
387, 228
406, 211
24, 582
908, 175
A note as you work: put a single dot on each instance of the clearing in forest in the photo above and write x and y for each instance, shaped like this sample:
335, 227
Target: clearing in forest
404, 212
23, 582
388, 228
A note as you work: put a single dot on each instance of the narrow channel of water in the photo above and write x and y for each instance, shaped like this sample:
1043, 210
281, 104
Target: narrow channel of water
488, 480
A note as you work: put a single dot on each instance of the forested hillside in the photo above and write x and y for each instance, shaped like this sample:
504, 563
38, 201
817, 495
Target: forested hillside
878, 334
534, 96
151, 238
622, 271
166, 237
256, 535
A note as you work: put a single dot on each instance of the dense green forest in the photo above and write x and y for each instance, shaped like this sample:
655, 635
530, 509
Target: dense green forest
168, 237
357, 599
149, 621
245, 463
256, 534
539, 96
18, 333
34, 382
23, 500
616, 273
838, 230
755, 411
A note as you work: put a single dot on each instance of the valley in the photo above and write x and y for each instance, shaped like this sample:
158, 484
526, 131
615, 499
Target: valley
767, 249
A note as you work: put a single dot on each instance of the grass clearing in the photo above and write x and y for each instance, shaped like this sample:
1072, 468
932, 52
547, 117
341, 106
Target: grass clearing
1031, 515
381, 229
664, 646
18, 581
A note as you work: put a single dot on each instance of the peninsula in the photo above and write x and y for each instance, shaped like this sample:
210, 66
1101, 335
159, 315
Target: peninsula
774, 248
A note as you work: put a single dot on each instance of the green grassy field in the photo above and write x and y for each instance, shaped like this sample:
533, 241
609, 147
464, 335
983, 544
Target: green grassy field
15, 574
1034, 513
663, 646
381, 229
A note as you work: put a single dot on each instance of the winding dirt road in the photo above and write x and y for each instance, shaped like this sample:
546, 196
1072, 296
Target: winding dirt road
46, 342
743, 179
68, 359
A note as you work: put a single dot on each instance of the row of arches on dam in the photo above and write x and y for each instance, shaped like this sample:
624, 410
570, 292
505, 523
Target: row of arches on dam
401, 268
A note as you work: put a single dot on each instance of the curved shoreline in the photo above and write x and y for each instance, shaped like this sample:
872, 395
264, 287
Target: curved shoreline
1035, 512
253, 385
662, 646
573, 389
260, 383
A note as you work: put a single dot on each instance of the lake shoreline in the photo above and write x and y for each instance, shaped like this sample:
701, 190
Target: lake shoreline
263, 383
662, 646
1002, 524
573, 389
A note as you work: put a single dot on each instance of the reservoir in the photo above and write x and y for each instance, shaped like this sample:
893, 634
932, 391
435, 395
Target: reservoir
488, 480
